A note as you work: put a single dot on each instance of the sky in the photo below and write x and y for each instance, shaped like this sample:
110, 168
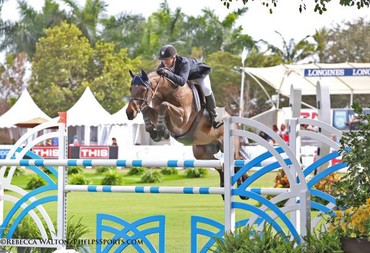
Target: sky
257, 22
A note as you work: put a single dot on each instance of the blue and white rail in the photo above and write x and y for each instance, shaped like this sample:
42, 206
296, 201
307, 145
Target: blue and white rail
167, 189
112, 162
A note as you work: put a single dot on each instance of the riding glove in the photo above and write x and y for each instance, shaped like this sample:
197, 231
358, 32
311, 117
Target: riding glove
162, 72
165, 72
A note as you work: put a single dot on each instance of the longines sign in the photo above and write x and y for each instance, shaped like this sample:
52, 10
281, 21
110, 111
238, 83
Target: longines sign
337, 72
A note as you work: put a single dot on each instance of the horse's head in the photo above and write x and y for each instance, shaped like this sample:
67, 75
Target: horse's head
140, 97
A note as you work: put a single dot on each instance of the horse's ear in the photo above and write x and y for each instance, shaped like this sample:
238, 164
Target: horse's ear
132, 74
144, 75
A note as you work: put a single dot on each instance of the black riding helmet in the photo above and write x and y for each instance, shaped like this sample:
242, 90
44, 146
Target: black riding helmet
167, 51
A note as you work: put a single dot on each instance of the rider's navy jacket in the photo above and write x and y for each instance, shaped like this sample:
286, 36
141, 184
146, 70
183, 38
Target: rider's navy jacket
188, 69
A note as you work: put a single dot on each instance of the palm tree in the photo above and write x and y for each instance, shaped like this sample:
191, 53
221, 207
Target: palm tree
125, 30
293, 52
321, 38
87, 18
162, 27
22, 35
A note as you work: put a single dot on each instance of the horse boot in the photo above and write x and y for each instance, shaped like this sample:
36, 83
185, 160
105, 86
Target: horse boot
161, 124
211, 108
150, 128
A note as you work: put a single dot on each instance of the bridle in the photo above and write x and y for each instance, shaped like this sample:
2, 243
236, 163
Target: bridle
147, 99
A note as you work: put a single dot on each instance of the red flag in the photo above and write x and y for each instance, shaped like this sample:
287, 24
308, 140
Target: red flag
62, 117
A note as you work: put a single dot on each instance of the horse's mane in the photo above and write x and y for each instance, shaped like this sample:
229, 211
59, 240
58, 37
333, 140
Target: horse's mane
153, 76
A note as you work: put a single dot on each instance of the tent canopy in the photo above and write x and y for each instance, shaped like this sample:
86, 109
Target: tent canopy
341, 78
87, 111
120, 117
25, 109
32, 122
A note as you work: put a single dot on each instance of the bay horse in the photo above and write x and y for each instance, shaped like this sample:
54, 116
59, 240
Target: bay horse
170, 109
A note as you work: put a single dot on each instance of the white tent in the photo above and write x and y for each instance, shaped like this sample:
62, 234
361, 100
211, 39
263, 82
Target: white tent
25, 109
129, 132
86, 113
120, 117
341, 78
135, 143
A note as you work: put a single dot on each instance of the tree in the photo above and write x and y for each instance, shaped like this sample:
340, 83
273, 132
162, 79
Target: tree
226, 79
320, 6
59, 68
12, 74
110, 75
65, 64
208, 34
292, 52
234, 41
163, 27
321, 38
349, 42
87, 18
192, 36
21, 36
125, 31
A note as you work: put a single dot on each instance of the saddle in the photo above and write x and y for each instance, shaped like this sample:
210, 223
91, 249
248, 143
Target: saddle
199, 99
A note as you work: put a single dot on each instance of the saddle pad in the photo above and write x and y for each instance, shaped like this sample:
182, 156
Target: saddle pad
196, 97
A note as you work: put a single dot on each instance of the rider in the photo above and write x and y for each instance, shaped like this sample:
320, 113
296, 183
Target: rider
180, 69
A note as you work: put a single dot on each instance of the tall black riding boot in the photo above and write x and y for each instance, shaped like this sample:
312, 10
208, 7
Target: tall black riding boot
211, 107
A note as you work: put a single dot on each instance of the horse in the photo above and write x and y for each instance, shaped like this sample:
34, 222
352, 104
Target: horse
170, 109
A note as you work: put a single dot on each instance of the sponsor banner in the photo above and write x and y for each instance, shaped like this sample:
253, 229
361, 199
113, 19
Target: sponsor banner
46, 152
99, 152
309, 114
337, 72
342, 117
3, 153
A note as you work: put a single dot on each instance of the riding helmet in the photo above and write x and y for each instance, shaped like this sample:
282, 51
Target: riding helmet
167, 51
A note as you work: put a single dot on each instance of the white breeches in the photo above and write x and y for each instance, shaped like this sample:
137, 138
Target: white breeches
205, 85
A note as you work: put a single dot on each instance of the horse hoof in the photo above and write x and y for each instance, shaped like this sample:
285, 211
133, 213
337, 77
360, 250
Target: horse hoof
155, 136
157, 139
166, 134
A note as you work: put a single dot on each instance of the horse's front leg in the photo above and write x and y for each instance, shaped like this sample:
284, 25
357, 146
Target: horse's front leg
177, 115
149, 115
168, 110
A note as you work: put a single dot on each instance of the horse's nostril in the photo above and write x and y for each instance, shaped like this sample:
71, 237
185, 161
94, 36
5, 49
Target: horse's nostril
130, 114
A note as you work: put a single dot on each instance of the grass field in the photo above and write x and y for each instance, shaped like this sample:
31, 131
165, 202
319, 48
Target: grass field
177, 209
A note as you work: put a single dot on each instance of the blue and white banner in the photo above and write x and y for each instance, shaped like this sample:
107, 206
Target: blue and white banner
3, 153
337, 72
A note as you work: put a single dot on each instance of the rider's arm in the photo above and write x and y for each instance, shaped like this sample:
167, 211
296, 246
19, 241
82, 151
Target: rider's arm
182, 71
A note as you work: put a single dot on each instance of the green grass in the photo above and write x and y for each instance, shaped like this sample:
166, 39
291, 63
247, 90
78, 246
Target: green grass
177, 209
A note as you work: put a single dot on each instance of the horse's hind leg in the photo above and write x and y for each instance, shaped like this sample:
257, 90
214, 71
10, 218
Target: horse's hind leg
241, 180
206, 152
